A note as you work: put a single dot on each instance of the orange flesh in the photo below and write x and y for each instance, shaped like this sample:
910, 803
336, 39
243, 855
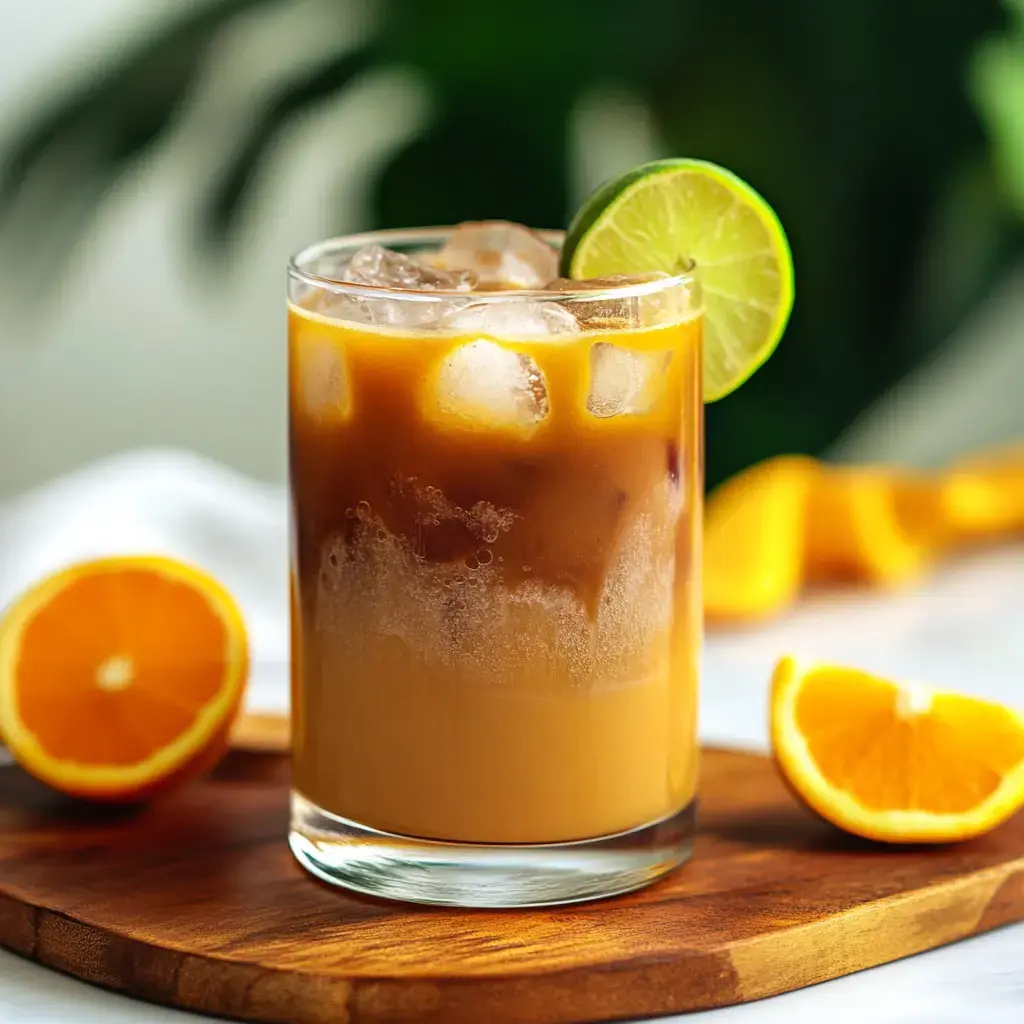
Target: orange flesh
171, 640
946, 760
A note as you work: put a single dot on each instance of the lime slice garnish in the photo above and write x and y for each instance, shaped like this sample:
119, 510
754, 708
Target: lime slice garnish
671, 214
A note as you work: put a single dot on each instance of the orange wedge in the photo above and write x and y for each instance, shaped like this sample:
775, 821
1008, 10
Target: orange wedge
121, 677
871, 524
895, 763
754, 539
984, 495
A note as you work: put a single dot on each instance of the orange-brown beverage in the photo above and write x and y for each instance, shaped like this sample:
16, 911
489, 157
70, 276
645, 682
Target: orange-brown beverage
496, 604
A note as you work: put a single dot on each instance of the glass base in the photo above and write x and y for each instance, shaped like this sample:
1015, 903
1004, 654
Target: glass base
397, 867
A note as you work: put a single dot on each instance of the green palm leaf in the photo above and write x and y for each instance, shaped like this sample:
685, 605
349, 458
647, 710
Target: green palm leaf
79, 144
223, 204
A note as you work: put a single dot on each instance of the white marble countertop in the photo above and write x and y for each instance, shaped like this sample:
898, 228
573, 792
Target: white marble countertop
962, 629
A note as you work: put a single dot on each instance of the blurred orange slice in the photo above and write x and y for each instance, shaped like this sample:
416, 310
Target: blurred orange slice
754, 539
121, 677
871, 524
895, 763
984, 495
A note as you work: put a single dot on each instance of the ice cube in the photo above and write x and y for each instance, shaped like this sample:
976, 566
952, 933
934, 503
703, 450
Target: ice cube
501, 254
488, 384
513, 319
645, 310
624, 381
323, 381
384, 268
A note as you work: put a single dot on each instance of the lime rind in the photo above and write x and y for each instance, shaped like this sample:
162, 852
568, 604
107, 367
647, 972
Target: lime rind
661, 216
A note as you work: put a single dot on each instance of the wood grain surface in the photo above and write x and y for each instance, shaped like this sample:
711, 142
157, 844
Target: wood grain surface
264, 731
197, 903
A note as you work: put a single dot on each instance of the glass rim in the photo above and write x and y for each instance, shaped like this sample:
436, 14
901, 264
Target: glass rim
426, 235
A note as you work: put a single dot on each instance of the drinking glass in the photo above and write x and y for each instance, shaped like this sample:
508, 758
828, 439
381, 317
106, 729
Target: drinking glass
496, 602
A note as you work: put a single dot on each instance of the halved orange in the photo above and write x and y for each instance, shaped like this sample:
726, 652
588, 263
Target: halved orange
121, 677
897, 763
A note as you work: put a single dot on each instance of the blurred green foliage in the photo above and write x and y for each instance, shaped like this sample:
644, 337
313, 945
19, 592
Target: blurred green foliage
853, 117
997, 80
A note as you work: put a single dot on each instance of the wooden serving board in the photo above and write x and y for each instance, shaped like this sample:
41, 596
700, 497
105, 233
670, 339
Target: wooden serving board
197, 903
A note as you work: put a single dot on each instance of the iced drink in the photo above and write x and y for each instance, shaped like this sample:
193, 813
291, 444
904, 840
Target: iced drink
496, 486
